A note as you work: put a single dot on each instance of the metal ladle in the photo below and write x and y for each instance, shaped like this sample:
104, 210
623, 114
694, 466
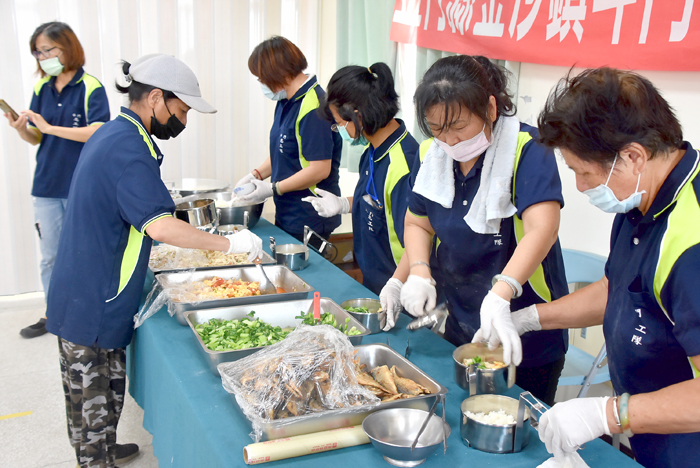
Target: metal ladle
266, 286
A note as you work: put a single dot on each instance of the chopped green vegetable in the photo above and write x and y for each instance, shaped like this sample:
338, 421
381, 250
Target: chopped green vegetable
328, 319
230, 335
358, 310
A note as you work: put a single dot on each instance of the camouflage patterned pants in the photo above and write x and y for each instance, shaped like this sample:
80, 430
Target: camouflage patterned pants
94, 382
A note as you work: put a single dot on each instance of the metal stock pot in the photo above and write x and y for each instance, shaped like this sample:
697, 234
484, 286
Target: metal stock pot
199, 213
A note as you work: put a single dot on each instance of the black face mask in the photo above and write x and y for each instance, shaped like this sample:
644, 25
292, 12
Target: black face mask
172, 128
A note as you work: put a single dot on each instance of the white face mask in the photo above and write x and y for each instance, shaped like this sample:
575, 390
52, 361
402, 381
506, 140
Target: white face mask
51, 66
468, 149
604, 198
278, 96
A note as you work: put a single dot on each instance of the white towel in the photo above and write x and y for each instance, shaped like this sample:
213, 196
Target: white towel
436, 180
493, 200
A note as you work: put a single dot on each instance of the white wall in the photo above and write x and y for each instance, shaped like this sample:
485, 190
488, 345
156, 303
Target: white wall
584, 227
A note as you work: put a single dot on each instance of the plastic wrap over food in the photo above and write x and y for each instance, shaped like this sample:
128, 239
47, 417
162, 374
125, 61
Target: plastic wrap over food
309, 372
167, 257
163, 292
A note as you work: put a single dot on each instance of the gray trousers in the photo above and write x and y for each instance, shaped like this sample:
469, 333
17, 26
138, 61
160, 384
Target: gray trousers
94, 383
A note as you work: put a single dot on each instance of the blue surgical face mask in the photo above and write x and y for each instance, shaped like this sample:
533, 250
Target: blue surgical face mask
362, 141
604, 198
278, 96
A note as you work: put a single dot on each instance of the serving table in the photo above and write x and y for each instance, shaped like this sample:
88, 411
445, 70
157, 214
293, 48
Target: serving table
195, 423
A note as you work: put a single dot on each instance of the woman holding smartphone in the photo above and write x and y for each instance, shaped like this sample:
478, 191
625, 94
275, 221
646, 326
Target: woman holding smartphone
67, 107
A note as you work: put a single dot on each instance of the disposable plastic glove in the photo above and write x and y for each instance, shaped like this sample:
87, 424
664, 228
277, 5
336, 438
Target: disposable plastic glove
525, 320
495, 320
418, 295
572, 423
327, 204
245, 242
569, 460
246, 179
390, 297
263, 191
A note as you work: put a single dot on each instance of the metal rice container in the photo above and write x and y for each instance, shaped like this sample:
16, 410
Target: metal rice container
482, 381
373, 355
499, 438
281, 277
281, 314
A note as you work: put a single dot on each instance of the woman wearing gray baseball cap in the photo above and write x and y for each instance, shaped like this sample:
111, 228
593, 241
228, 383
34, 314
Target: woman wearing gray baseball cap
117, 206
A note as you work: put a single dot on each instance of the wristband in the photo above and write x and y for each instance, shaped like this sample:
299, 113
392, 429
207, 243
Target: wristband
510, 281
259, 176
624, 415
418, 263
276, 188
616, 412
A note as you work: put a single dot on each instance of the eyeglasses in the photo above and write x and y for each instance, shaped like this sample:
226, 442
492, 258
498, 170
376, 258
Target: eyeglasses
38, 54
336, 128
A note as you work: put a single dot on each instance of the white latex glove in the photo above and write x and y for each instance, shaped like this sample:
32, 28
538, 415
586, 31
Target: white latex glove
572, 423
390, 297
418, 295
495, 320
245, 242
525, 320
263, 191
569, 460
327, 204
246, 179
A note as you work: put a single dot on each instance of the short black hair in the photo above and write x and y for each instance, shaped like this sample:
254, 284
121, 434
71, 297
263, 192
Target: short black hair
462, 80
136, 91
367, 90
599, 112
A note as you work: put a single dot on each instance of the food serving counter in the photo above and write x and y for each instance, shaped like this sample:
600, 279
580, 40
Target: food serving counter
195, 423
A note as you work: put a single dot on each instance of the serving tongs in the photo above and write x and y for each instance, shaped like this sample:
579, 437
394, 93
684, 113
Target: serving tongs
433, 319
438, 399
325, 244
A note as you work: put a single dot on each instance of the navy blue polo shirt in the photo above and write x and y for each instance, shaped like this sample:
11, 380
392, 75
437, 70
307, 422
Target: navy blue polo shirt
378, 226
103, 252
652, 317
80, 103
299, 135
463, 262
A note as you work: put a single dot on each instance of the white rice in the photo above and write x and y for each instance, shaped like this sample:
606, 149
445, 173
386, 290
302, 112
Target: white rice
499, 418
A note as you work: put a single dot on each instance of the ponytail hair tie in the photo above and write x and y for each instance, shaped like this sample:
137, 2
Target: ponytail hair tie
372, 73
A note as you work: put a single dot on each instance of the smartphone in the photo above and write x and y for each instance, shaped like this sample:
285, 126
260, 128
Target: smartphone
7, 109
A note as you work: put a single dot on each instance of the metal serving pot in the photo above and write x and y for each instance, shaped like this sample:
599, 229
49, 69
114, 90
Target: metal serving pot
495, 438
480, 381
199, 213
293, 256
228, 229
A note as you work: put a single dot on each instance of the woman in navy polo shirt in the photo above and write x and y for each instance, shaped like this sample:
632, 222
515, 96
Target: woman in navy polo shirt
363, 103
67, 107
304, 152
625, 145
483, 220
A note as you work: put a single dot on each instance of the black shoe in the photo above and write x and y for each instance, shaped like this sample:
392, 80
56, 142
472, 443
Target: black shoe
32, 331
126, 453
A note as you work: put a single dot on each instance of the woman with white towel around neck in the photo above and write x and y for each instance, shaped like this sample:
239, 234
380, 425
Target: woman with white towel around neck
481, 229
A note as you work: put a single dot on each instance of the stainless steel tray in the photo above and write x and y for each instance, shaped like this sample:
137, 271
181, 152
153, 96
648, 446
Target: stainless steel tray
373, 355
266, 259
277, 313
281, 276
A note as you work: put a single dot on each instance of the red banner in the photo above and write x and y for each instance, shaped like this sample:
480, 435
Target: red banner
627, 34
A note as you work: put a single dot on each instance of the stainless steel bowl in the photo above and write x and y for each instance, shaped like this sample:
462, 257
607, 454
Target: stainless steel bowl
392, 431
482, 381
198, 213
228, 229
374, 321
190, 186
248, 215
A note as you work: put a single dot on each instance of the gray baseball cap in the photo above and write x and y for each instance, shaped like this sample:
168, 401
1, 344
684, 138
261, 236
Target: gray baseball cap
170, 74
